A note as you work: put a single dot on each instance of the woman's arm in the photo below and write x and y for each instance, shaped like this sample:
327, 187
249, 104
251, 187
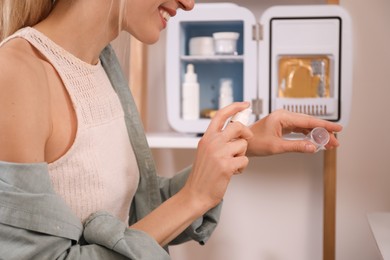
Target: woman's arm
24, 107
220, 155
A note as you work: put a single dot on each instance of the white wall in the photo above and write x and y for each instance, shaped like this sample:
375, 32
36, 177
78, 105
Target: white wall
363, 162
274, 210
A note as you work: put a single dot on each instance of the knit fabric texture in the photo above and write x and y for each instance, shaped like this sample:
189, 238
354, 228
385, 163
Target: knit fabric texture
99, 171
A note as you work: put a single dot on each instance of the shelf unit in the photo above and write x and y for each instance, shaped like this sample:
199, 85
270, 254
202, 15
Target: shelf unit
216, 59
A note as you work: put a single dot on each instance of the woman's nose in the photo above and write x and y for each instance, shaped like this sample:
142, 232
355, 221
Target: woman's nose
186, 5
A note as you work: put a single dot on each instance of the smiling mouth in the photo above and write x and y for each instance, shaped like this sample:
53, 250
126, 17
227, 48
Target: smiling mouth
165, 15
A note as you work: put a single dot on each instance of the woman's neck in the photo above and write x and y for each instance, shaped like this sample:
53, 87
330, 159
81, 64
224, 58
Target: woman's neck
83, 28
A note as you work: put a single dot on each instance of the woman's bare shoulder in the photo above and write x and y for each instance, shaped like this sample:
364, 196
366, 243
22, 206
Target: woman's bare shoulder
24, 103
19, 58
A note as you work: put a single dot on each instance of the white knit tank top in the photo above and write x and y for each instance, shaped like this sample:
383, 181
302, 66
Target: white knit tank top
99, 171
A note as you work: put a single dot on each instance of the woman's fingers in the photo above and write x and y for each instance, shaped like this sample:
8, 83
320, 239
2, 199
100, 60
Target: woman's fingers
220, 118
333, 142
236, 130
221, 154
241, 163
236, 148
302, 123
298, 121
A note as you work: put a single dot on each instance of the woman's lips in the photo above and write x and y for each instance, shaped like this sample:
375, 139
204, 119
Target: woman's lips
166, 14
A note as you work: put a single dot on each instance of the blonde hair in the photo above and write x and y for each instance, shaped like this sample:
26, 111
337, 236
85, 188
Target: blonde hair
16, 14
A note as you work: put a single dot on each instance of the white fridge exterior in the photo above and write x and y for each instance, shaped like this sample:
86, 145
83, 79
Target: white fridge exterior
322, 30
298, 31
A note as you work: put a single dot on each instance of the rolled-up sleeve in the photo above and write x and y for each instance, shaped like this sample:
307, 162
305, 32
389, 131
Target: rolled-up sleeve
103, 229
35, 223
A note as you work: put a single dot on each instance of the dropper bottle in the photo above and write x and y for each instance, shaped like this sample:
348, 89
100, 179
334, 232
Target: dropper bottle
225, 93
190, 95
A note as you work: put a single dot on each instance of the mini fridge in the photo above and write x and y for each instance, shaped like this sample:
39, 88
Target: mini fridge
297, 58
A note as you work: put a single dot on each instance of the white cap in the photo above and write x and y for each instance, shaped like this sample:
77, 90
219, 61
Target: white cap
190, 76
242, 116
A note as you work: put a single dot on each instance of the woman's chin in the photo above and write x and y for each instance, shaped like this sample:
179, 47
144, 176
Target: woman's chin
148, 39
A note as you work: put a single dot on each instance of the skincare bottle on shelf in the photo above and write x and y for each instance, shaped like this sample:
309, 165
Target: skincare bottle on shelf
225, 92
190, 95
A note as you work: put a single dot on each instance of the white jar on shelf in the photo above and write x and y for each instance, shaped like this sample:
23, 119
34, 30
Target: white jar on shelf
226, 43
201, 46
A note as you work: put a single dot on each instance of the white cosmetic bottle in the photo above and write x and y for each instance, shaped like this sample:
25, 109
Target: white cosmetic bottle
225, 93
190, 95
243, 116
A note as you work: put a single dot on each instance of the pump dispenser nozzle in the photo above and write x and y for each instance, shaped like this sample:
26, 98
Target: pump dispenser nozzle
242, 116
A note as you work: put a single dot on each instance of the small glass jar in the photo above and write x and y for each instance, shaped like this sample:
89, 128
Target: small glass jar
225, 43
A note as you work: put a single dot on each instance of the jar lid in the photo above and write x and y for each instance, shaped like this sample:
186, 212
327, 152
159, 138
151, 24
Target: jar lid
226, 35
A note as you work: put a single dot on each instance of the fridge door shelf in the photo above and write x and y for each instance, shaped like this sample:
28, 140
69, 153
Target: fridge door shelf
324, 108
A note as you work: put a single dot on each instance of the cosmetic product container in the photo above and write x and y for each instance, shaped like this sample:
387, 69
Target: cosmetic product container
319, 136
201, 46
304, 77
226, 43
225, 92
190, 94
242, 116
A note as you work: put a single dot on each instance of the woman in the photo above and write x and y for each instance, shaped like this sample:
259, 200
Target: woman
73, 154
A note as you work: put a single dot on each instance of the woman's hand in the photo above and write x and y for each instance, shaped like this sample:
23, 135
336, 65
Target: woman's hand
220, 154
267, 133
